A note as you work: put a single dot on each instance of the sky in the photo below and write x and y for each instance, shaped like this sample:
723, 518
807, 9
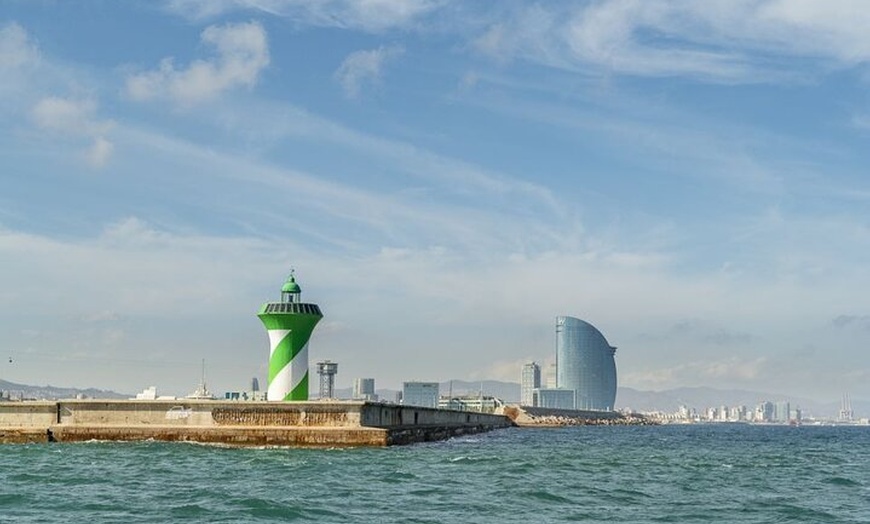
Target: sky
446, 178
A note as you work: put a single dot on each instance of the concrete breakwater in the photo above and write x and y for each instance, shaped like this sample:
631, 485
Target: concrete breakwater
318, 423
545, 417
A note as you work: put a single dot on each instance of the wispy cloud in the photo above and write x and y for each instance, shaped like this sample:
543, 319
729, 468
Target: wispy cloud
68, 116
705, 333
20, 63
721, 40
242, 52
732, 370
469, 186
369, 216
99, 152
861, 121
17, 49
367, 15
364, 67
860, 321
76, 118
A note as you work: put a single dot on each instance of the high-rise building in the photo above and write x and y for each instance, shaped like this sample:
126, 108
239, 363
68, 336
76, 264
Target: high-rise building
529, 381
764, 412
846, 414
782, 412
585, 364
289, 324
364, 389
423, 394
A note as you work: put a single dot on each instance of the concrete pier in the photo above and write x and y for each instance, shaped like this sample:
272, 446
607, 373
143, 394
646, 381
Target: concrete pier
317, 423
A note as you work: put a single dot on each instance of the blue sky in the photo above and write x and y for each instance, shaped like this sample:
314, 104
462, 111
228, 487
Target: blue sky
446, 178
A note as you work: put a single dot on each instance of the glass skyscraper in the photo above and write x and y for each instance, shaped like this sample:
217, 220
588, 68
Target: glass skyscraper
585, 364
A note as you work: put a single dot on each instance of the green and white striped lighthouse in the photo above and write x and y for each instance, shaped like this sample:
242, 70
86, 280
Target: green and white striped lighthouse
289, 323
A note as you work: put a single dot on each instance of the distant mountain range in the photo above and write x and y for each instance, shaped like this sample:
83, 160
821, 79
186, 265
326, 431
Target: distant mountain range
644, 401
23, 391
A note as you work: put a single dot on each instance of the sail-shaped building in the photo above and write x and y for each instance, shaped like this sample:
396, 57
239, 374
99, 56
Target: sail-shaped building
585, 363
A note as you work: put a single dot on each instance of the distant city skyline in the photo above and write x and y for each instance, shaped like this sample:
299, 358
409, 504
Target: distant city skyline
446, 177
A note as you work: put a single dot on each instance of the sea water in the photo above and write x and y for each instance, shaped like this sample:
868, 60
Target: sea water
699, 473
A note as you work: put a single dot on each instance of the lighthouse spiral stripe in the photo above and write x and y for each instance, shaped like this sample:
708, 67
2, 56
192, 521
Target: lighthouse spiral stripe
288, 367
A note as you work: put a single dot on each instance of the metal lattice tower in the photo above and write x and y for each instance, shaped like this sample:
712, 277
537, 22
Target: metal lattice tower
327, 371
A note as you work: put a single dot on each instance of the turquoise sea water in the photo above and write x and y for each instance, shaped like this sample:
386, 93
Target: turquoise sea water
579, 474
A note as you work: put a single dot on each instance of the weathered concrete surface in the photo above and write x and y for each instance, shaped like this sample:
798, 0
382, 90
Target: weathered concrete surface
22, 435
237, 436
28, 414
323, 424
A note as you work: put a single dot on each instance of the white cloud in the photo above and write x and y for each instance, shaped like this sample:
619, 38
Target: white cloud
75, 119
368, 15
362, 67
861, 122
67, 116
16, 47
242, 52
99, 152
720, 40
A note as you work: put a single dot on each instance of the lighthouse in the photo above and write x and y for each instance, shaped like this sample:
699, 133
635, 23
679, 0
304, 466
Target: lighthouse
289, 324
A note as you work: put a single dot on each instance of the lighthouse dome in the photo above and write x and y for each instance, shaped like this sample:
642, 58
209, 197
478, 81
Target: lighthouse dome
291, 286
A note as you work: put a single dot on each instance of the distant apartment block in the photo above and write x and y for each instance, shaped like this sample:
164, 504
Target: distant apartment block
423, 394
781, 412
530, 380
364, 389
764, 412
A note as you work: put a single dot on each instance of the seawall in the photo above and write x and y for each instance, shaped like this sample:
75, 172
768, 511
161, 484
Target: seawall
317, 423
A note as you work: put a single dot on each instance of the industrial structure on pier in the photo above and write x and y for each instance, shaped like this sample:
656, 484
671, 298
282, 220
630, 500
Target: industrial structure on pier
327, 370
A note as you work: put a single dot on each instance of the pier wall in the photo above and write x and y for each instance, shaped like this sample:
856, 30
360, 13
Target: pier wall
388, 415
330, 423
28, 414
185, 412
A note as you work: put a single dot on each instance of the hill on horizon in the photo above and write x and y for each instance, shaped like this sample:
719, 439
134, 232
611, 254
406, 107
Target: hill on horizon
48, 392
